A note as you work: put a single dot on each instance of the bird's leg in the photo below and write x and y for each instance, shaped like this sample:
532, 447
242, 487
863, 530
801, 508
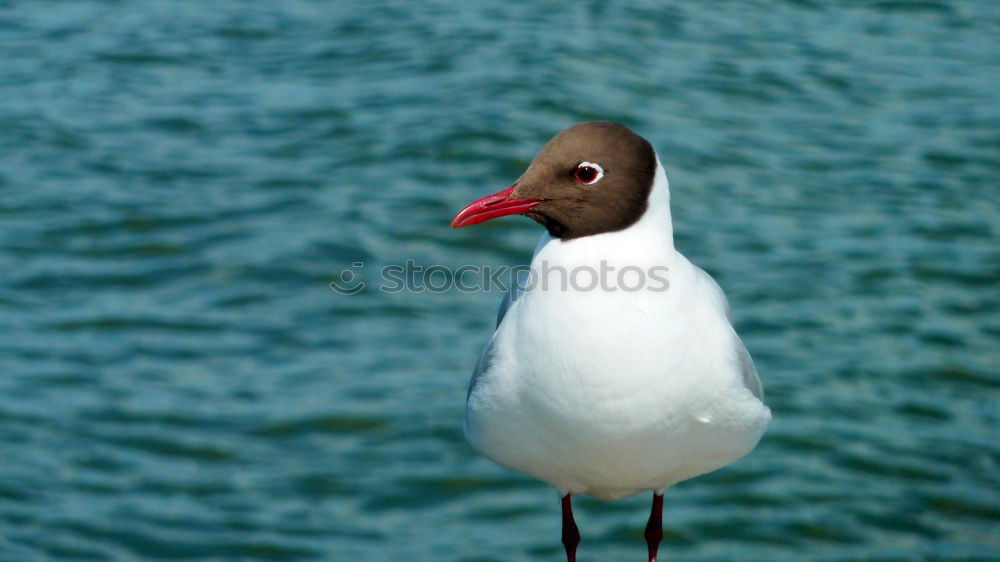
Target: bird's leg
654, 528
570, 534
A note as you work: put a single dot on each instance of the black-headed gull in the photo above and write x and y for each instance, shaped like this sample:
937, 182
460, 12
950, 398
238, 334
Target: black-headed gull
610, 386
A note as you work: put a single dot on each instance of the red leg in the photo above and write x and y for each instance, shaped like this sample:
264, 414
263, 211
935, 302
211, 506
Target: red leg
654, 528
570, 534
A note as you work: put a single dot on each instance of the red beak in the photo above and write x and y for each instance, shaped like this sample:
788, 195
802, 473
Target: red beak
491, 207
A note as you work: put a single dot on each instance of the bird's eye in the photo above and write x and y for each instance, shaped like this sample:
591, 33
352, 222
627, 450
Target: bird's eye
588, 173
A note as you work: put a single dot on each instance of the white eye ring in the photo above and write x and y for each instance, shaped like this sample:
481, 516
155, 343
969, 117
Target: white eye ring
592, 166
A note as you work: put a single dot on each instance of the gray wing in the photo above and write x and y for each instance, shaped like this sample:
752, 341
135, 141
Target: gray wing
520, 281
481, 366
750, 378
714, 290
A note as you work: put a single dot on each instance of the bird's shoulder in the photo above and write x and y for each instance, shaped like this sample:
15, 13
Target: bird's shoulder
717, 299
519, 282
709, 287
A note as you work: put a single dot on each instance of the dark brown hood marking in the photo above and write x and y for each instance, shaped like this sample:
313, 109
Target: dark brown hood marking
570, 209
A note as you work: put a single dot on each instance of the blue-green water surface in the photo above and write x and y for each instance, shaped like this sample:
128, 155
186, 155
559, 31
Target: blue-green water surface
180, 181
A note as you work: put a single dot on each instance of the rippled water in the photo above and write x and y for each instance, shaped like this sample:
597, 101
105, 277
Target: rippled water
179, 182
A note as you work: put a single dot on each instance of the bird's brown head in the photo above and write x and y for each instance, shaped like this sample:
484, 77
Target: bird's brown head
591, 178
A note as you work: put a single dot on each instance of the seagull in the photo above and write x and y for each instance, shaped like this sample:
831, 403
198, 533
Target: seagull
614, 367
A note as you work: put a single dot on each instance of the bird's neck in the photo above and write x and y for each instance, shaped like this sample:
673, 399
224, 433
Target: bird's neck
656, 223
